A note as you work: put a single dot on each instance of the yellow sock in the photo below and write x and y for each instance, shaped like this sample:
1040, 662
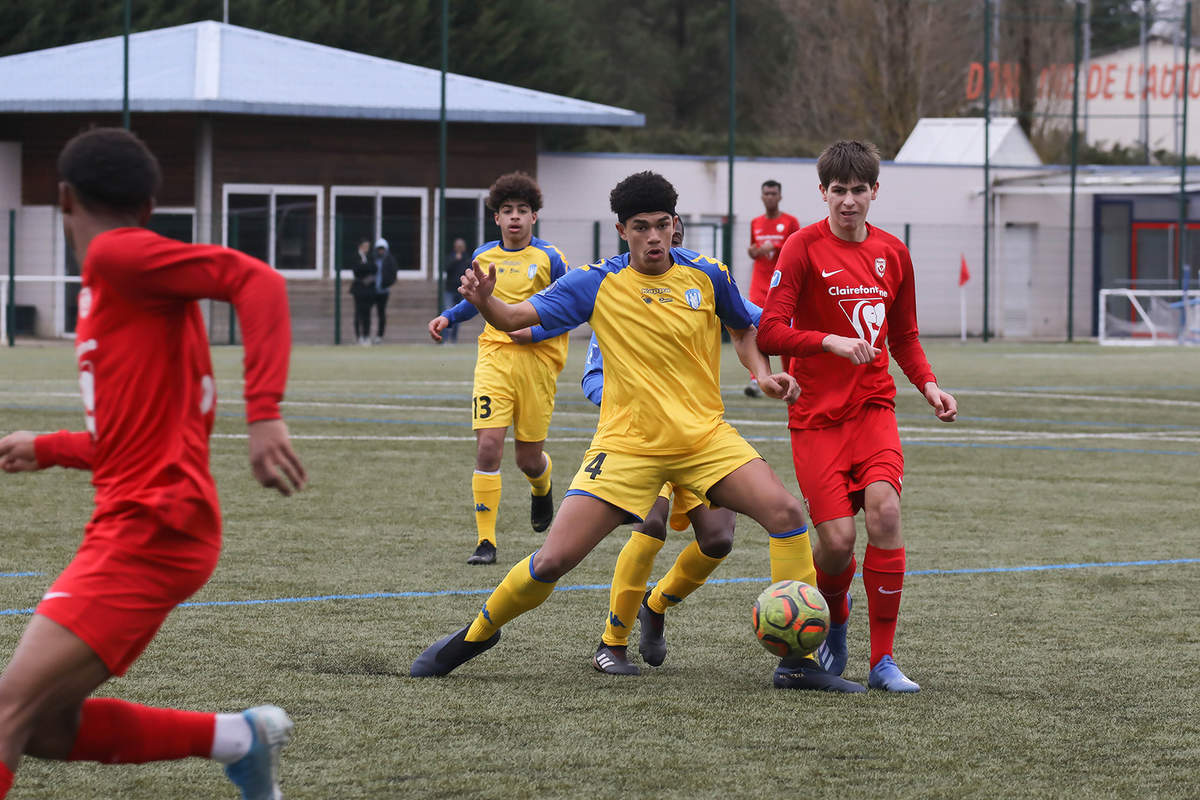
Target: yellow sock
791, 557
689, 572
519, 592
485, 488
634, 565
791, 560
541, 484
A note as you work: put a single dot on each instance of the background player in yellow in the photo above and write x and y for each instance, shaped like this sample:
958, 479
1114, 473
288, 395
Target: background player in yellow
514, 383
658, 323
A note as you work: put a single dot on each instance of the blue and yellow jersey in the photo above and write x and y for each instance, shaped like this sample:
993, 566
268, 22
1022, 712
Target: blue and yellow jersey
661, 340
592, 382
519, 274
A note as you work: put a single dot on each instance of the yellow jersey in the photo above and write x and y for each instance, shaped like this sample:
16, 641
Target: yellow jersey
661, 339
519, 274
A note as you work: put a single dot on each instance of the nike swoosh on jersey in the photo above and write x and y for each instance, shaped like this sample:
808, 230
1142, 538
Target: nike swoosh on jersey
825, 274
889, 591
55, 595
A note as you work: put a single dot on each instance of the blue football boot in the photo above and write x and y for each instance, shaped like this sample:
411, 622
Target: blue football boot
448, 653
256, 774
887, 676
833, 652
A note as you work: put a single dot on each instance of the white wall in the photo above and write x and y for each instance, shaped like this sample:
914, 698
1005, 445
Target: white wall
943, 205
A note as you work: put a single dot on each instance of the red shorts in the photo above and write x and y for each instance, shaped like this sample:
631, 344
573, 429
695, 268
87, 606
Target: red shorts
115, 600
834, 465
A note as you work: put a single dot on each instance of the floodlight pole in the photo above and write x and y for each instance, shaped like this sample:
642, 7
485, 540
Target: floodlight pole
125, 92
1074, 172
1182, 238
441, 226
727, 248
987, 180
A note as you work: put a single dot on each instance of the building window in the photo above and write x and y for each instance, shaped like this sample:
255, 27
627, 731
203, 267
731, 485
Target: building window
468, 218
174, 223
396, 213
276, 224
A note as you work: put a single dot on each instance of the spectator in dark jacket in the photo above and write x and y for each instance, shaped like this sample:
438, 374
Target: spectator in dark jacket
384, 275
362, 288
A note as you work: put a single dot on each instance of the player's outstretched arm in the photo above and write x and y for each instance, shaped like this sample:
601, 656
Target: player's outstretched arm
23, 451
17, 453
945, 407
274, 464
857, 351
477, 287
779, 385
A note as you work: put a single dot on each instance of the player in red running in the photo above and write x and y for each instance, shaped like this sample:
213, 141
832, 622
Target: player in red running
768, 232
849, 287
153, 539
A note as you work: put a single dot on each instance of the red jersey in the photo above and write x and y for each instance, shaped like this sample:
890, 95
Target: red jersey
146, 376
863, 290
767, 232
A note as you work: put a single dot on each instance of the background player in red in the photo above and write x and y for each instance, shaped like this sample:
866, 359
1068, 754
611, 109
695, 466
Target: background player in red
849, 288
768, 232
146, 379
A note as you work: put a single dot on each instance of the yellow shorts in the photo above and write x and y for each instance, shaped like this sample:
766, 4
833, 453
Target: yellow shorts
631, 481
683, 503
514, 387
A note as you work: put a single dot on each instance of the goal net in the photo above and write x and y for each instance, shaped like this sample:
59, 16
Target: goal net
1149, 317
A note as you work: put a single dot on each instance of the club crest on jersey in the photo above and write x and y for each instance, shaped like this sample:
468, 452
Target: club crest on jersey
533, 271
779, 227
867, 315
692, 296
775, 276
880, 266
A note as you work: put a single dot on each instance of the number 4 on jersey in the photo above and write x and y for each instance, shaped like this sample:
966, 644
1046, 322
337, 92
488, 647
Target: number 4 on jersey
593, 466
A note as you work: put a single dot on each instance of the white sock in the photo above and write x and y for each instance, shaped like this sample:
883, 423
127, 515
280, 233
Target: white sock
232, 738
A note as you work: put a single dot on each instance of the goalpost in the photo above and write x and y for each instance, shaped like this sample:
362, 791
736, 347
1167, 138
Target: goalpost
1149, 317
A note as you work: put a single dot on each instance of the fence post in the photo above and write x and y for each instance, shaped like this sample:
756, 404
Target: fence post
337, 279
595, 240
234, 240
11, 311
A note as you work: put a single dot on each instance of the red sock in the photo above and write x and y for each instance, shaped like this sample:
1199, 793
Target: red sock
118, 732
883, 579
6, 779
834, 587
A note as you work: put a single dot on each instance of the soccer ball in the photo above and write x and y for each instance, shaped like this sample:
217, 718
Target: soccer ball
791, 618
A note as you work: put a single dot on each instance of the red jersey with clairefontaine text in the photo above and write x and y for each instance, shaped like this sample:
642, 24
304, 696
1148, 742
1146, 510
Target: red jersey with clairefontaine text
863, 290
146, 377
767, 232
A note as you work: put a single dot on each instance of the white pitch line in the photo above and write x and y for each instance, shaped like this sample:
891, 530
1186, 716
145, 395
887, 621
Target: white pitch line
1100, 398
350, 438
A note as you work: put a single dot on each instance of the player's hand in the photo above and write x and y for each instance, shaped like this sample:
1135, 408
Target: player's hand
274, 464
17, 453
477, 285
523, 336
753, 251
436, 326
945, 407
857, 351
781, 386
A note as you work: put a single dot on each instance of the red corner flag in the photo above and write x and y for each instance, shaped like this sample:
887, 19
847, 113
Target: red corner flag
964, 274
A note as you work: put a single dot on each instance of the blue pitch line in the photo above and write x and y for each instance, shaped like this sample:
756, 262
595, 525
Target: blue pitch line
585, 587
20, 574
